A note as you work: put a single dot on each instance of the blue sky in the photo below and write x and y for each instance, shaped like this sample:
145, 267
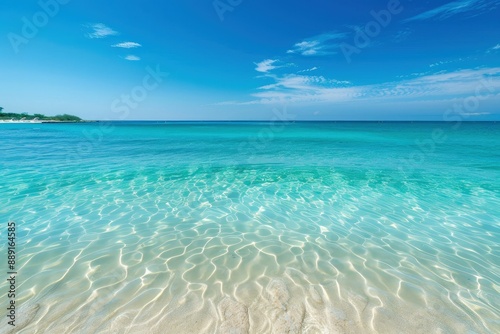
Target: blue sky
252, 59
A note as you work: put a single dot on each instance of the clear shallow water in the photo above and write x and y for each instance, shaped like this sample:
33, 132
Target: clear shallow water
254, 227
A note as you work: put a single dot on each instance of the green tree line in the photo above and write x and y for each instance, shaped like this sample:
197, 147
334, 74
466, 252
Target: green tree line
42, 117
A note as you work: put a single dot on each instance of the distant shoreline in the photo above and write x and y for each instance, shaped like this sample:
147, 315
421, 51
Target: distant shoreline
40, 122
228, 121
281, 121
37, 118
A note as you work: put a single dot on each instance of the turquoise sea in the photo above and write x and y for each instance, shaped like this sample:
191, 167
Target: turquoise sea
253, 227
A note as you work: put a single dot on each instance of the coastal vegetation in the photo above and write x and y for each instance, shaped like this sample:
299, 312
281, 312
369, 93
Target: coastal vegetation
41, 117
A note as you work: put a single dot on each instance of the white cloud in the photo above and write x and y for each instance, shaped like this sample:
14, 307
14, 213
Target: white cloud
127, 45
455, 7
308, 70
319, 45
493, 49
475, 113
306, 48
266, 65
402, 35
100, 30
438, 86
132, 58
303, 82
444, 62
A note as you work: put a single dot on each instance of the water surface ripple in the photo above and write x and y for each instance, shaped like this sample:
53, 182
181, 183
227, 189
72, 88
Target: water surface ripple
253, 227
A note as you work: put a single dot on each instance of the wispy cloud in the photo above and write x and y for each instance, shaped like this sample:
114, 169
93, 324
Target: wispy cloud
455, 7
445, 62
295, 88
266, 65
308, 70
302, 82
494, 49
401, 35
127, 45
473, 114
100, 30
320, 45
132, 58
